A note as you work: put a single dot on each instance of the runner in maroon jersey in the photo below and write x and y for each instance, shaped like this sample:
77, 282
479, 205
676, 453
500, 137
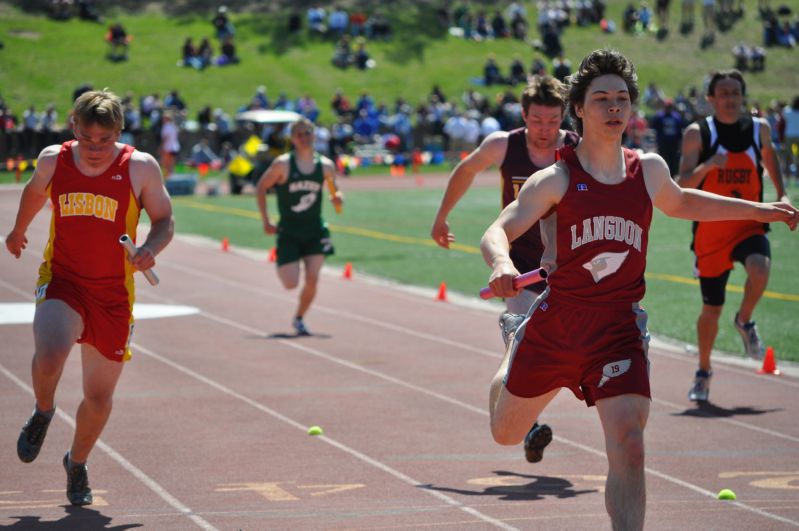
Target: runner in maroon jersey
587, 332
519, 154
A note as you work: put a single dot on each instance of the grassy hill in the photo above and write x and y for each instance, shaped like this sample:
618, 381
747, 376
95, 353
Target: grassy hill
44, 60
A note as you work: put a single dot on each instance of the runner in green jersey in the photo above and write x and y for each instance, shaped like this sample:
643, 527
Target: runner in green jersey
302, 235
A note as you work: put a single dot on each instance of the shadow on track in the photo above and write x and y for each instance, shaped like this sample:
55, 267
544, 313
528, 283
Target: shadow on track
537, 489
81, 518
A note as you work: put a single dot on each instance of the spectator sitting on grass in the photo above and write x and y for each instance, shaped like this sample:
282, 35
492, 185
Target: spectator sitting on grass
378, 27
499, 26
629, 18
561, 68
205, 53
87, 10
518, 25
118, 40
491, 74
228, 53
517, 72
362, 60
189, 53
61, 9
342, 56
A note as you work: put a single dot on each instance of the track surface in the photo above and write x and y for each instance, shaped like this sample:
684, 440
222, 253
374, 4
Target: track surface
210, 422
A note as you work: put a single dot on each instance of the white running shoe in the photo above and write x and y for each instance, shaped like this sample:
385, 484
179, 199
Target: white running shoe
753, 345
508, 323
700, 391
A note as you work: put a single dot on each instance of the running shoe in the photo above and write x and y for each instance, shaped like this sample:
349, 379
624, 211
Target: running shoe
700, 391
508, 324
753, 345
32, 437
78, 491
299, 327
535, 441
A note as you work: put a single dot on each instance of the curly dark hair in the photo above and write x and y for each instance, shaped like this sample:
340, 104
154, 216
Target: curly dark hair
599, 63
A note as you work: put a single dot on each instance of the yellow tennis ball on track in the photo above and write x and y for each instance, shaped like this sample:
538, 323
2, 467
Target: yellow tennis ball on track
726, 494
315, 430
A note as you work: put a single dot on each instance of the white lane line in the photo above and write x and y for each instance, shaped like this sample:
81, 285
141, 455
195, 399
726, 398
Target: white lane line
124, 463
733, 422
250, 289
473, 409
343, 447
224, 320
337, 312
672, 352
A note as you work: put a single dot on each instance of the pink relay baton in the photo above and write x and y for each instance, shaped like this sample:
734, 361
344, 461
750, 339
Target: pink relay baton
127, 243
531, 277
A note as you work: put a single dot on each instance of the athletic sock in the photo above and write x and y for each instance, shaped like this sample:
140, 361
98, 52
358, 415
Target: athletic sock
48, 414
72, 463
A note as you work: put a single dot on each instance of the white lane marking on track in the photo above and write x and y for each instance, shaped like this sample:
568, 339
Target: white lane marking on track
124, 463
337, 312
400, 329
250, 289
737, 423
23, 312
355, 453
469, 407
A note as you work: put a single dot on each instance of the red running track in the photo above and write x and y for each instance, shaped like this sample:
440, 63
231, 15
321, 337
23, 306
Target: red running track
210, 422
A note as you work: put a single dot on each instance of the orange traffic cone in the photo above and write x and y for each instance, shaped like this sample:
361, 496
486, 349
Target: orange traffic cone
273, 254
769, 363
442, 292
348, 271
225, 244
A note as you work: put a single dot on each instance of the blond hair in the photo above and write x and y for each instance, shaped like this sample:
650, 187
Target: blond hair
101, 107
302, 122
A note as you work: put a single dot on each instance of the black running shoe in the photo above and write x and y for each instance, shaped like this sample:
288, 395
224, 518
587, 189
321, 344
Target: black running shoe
32, 437
78, 491
537, 439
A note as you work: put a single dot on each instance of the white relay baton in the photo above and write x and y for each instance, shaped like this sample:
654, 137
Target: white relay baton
127, 243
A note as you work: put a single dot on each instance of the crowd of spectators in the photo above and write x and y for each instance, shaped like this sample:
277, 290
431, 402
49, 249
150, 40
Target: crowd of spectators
202, 56
83, 9
779, 29
518, 73
436, 122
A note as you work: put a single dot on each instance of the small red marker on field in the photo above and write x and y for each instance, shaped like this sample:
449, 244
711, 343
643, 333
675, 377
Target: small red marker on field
273, 254
769, 363
442, 292
225, 244
348, 271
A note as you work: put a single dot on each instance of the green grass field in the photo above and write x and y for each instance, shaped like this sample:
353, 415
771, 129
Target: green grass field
386, 234
44, 60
